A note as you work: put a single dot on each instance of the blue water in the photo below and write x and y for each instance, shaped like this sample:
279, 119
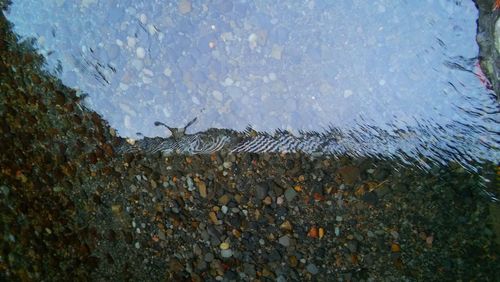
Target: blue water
400, 79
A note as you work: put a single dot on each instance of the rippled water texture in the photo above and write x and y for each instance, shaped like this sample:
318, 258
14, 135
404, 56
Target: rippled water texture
395, 79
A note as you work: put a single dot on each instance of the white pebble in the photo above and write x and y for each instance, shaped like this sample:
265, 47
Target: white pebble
347, 93
167, 72
140, 52
217, 95
143, 18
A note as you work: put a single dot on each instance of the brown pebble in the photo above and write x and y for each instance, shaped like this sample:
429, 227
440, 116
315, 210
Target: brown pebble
268, 201
213, 217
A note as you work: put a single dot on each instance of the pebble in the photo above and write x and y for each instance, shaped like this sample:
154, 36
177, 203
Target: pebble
202, 188
227, 165
290, 194
284, 241
209, 257
347, 93
337, 231
167, 72
140, 52
226, 253
261, 191
268, 200
218, 96
224, 209
276, 52
312, 268
184, 6
224, 246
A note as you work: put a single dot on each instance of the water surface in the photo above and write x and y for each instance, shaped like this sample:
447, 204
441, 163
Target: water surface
396, 79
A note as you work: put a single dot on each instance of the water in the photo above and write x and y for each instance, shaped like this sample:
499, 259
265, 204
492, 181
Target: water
392, 80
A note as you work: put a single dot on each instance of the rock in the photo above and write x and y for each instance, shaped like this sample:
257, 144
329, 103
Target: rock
184, 6
290, 194
140, 52
209, 257
218, 96
284, 241
202, 188
224, 245
276, 52
268, 200
261, 191
312, 268
224, 199
224, 209
226, 253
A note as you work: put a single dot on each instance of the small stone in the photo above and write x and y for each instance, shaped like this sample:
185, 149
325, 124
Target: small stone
337, 231
143, 18
217, 95
293, 261
137, 245
202, 188
209, 257
395, 248
184, 6
312, 268
224, 209
167, 72
140, 52
313, 232
280, 200
268, 200
224, 245
284, 241
276, 52
227, 165
226, 253
213, 217
228, 81
347, 93
224, 199
290, 194
321, 232
261, 191
286, 225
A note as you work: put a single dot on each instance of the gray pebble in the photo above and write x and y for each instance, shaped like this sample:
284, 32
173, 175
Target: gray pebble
312, 268
226, 253
290, 193
284, 240
208, 257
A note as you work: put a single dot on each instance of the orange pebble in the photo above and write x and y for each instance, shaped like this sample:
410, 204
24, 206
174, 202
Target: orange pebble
313, 232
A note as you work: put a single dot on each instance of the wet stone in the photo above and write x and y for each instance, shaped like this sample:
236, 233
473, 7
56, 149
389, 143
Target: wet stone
284, 241
312, 268
209, 257
261, 191
290, 194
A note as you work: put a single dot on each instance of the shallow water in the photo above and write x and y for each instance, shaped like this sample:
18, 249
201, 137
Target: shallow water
393, 80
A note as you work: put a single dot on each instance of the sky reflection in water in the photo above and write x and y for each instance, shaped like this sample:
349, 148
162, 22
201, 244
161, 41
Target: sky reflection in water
406, 70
